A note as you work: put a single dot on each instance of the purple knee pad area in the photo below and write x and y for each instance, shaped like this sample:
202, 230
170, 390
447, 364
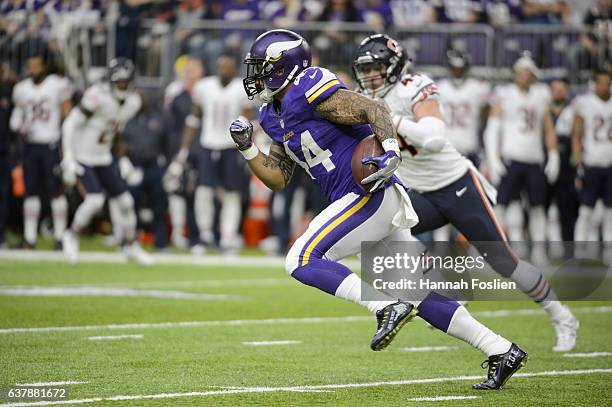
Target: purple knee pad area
323, 274
438, 310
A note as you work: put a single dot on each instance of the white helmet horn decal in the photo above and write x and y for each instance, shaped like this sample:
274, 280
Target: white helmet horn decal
275, 50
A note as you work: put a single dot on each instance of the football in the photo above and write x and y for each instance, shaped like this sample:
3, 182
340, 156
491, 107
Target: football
368, 147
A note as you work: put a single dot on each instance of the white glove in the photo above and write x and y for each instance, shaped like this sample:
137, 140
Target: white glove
70, 170
552, 166
172, 177
129, 173
497, 169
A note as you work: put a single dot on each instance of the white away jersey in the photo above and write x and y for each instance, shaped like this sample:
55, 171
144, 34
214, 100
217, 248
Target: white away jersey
522, 123
41, 106
220, 106
462, 103
421, 170
93, 143
597, 136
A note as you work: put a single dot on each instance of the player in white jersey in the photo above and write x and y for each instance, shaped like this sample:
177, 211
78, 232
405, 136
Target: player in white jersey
464, 101
217, 100
521, 115
178, 104
446, 187
592, 150
41, 102
88, 135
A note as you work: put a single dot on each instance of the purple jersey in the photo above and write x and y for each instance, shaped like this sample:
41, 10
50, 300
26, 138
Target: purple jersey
324, 149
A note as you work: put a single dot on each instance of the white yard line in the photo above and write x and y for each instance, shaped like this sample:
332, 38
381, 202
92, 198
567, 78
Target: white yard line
270, 343
244, 282
267, 389
93, 291
45, 384
160, 258
444, 398
429, 348
192, 324
586, 355
272, 321
114, 337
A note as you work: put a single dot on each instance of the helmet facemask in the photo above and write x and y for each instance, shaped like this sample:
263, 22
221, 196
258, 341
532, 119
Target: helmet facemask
260, 71
257, 71
374, 77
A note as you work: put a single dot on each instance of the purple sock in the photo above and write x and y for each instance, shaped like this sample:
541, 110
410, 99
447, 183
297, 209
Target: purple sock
323, 274
438, 310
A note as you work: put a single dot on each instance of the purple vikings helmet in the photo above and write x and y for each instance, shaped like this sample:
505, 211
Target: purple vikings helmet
275, 59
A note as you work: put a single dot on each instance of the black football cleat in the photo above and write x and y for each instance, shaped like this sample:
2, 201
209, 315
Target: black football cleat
390, 321
501, 368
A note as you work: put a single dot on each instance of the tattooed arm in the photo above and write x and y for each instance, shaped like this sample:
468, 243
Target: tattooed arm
274, 169
351, 108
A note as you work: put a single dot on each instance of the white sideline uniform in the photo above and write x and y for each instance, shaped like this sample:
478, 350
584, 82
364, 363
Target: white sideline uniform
522, 121
462, 102
597, 136
93, 145
40, 105
220, 107
423, 171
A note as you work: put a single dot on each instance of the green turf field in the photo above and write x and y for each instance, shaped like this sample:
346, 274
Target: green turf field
208, 363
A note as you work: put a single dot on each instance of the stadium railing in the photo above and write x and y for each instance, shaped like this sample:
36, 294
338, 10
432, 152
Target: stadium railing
559, 50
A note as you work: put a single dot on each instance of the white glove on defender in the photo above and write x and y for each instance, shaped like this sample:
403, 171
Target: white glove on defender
70, 171
552, 166
132, 176
172, 177
497, 169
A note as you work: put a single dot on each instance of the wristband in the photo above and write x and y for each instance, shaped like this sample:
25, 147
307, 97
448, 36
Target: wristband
250, 152
391, 144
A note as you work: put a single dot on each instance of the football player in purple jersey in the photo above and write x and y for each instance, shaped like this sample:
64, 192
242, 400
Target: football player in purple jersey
316, 122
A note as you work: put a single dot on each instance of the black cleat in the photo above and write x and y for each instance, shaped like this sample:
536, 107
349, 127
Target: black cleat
57, 245
390, 321
501, 368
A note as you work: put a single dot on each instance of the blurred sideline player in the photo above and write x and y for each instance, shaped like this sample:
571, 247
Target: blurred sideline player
564, 197
41, 102
592, 151
178, 105
445, 186
88, 135
464, 102
521, 115
316, 122
216, 101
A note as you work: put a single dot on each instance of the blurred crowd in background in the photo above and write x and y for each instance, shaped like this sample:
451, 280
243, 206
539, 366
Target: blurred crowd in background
83, 35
